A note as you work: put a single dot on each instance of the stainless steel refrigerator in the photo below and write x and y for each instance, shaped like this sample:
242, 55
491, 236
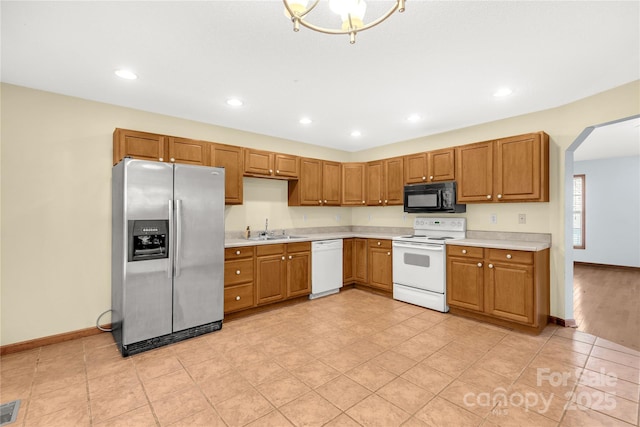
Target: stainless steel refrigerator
167, 264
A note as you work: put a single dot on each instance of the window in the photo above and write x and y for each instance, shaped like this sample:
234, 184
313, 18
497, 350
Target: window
578, 211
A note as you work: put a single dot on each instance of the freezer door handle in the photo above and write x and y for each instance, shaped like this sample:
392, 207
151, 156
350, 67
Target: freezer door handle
170, 263
178, 235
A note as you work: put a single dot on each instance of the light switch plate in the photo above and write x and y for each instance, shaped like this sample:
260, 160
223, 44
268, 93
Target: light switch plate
493, 218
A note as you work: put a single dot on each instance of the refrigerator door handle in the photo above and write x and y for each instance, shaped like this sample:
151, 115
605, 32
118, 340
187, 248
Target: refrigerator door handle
170, 263
178, 235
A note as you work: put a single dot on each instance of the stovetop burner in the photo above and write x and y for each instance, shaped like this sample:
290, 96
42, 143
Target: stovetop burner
435, 230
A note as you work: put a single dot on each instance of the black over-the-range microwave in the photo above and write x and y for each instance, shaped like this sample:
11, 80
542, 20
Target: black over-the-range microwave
437, 197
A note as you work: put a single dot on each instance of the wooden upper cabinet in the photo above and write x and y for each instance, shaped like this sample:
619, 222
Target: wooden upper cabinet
385, 182
375, 184
319, 184
258, 162
330, 183
188, 151
270, 165
139, 145
514, 169
415, 168
475, 172
286, 166
353, 184
394, 181
229, 157
442, 165
521, 171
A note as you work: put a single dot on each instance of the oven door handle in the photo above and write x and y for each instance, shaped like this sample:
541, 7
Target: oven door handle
420, 246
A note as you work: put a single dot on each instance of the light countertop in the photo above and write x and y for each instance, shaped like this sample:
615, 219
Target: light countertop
516, 245
234, 243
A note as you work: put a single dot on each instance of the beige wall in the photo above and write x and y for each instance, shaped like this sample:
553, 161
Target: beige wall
55, 196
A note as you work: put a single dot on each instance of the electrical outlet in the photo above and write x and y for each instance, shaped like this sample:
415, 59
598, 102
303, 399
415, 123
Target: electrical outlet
404, 216
304, 217
369, 217
522, 218
338, 217
493, 218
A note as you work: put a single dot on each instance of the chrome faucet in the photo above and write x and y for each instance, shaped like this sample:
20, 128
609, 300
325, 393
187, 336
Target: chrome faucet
266, 227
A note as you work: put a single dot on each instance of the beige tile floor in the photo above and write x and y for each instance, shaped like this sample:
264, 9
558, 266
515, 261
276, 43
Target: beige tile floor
346, 360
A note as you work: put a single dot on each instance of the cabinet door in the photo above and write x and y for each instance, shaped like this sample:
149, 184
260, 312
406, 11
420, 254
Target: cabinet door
380, 265
188, 151
442, 165
331, 183
509, 292
271, 271
394, 181
353, 184
286, 166
229, 158
258, 162
415, 168
310, 183
139, 145
465, 283
375, 175
347, 261
475, 172
298, 274
519, 168
360, 260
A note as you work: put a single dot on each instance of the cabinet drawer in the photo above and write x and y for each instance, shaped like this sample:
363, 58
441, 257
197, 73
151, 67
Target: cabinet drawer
465, 251
236, 272
263, 250
298, 247
506, 255
380, 243
238, 297
237, 253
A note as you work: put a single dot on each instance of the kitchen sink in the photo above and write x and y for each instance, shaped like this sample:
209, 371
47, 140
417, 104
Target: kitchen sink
276, 237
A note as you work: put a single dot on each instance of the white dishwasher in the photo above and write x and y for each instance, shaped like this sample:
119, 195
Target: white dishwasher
326, 267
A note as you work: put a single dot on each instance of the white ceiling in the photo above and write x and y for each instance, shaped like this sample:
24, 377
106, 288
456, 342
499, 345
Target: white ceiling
442, 60
621, 139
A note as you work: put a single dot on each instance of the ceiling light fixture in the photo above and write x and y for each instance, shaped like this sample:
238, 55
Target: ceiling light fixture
356, 133
305, 121
234, 102
126, 74
351, 12
414, 118
505, 91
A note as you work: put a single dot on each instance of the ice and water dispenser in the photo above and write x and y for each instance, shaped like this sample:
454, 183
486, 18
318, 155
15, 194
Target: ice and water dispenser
148, 239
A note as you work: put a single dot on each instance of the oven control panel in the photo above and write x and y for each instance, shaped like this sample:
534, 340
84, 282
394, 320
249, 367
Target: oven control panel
448, 224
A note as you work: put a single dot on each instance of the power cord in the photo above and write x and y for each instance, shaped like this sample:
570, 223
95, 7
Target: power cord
98, 322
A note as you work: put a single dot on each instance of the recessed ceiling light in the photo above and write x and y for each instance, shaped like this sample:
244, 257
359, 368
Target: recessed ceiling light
126, 74
305, 121
414, 118
234, 102
505, 91
356, 133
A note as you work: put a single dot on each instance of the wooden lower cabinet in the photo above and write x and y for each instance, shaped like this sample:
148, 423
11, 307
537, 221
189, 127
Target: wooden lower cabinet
238, 278
507, 287
282, 271
347, 261
360, 249
380, 264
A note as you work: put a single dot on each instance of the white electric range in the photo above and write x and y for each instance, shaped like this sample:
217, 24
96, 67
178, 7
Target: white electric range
419, 261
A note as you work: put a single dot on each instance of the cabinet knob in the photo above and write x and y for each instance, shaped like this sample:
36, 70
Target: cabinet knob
379, 201
283, 257
464, 251
508, 256
479, 264
161, 159
490, 265
388, 253
431, 177
172, 160
385, 201
270, 170
237, 252
499, 196
319, 202
325, 201
290, 256
488, 196
238, 298
424, 178
363, 202
237, 271
379, 243
277, 171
